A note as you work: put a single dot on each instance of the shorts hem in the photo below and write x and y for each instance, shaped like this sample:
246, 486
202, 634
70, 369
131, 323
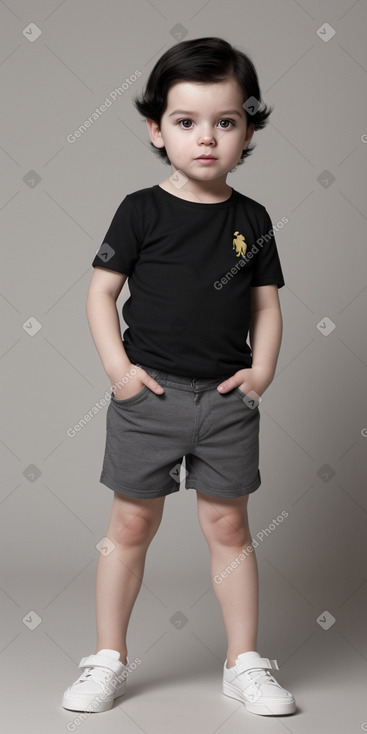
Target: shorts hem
135, 493
223, 494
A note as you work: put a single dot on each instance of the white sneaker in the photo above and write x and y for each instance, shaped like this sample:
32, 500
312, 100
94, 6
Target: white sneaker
249, 681
103, 680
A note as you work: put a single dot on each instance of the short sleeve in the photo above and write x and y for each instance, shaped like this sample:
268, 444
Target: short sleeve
267, 269
120, 248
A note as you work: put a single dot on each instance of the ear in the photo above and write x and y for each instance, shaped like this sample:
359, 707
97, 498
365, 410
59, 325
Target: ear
249, 133
155, 133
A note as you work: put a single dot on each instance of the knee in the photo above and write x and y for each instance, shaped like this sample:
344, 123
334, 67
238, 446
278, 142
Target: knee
134, 530
229, 529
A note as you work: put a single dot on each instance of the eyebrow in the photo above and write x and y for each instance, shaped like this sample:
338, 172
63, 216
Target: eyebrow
185, 112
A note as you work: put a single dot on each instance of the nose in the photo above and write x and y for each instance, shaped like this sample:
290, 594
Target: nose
206, 136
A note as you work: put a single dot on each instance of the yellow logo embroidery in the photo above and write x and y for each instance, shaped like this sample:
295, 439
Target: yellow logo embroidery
239, 244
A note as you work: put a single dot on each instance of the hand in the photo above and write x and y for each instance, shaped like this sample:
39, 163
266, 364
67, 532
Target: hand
135, 382
251, 379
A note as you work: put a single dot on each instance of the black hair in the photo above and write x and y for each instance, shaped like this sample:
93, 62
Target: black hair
205, 60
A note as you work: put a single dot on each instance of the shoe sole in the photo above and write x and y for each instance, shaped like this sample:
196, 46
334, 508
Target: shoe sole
74, 702
281, 708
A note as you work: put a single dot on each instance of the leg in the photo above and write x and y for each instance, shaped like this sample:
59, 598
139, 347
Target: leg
225, 526
133, 524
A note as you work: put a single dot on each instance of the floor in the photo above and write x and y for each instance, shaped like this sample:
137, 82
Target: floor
177, 685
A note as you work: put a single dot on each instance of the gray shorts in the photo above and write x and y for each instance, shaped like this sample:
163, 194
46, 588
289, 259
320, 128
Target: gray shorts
147, 436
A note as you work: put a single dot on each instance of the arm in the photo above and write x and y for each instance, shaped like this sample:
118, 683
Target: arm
103, 320
104, 324
266, 326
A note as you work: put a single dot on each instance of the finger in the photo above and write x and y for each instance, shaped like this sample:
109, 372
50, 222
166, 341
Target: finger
149, 382
155, 386
224, 386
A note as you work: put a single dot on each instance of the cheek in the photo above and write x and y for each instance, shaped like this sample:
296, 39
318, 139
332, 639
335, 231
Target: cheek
175, 141
235, 144
235, 140
180, 144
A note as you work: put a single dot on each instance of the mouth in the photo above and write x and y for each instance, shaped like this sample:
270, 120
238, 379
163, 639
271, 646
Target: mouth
206, 158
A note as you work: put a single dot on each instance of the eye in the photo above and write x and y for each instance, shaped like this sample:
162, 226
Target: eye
184, 128
230, 121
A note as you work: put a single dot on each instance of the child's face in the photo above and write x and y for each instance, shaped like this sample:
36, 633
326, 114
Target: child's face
208, 125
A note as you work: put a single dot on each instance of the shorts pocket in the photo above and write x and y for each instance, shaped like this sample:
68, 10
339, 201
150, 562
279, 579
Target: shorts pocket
248, 400
140, 395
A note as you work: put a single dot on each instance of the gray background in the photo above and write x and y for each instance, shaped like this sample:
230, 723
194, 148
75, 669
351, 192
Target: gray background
57, 202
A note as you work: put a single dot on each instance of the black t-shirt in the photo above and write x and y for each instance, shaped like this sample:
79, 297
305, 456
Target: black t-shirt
190, 266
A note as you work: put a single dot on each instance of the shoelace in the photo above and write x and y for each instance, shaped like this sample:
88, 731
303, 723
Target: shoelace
100, 675
259, 676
